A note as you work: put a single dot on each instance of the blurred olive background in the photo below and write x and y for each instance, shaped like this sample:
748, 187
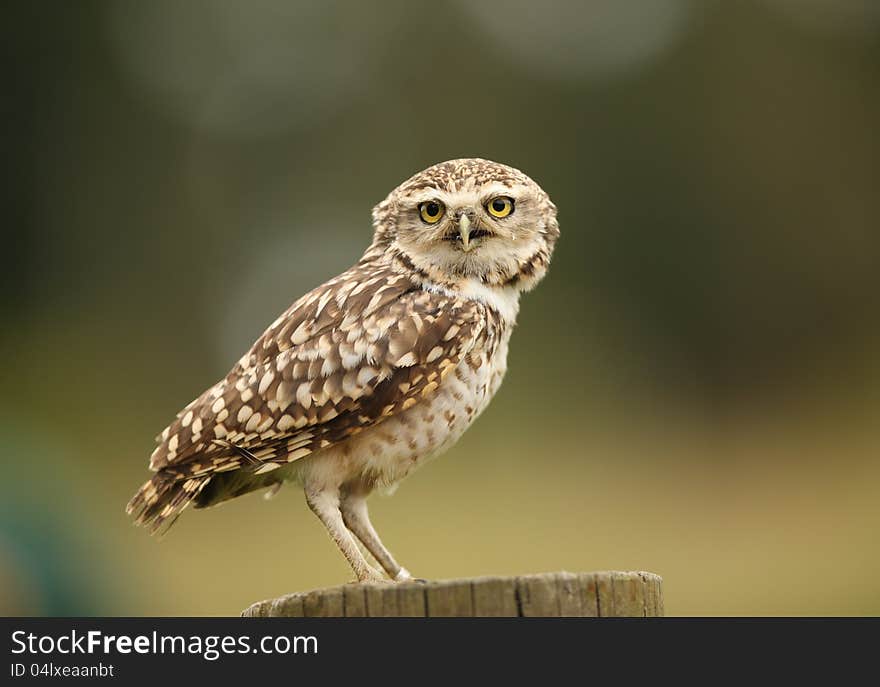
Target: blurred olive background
694, 390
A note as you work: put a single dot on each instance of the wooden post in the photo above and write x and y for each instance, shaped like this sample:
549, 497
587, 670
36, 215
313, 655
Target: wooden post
561, 594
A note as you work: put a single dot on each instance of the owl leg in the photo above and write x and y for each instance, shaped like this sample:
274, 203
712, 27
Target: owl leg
357, 519
325, 504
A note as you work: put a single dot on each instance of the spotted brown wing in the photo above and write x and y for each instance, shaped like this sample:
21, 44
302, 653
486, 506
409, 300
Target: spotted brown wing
344, 357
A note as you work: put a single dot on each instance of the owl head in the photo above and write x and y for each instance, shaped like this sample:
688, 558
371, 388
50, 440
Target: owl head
469, 219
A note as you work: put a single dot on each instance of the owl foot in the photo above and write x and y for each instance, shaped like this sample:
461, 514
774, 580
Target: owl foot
372, 577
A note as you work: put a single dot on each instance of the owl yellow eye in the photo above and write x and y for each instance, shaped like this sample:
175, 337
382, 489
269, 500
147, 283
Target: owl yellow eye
500, 206
431, 211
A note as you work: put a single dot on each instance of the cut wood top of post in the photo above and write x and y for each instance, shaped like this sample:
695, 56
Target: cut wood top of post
560, 594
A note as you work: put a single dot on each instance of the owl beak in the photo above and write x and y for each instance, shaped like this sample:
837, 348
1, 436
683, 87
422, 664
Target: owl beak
464, 230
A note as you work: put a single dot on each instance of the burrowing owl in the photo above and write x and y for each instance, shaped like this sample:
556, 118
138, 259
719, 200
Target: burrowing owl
371, 374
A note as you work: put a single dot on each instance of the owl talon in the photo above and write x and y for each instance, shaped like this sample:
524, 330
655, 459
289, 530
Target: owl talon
405, 576
373, 580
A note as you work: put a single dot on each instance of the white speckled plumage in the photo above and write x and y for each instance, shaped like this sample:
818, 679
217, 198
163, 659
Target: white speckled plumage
376, 371
387, 453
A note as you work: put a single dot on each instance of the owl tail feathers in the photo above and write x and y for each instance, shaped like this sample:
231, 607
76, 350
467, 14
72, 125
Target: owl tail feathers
160, 501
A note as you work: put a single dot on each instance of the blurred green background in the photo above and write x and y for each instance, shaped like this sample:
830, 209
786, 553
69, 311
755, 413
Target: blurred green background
694, 390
